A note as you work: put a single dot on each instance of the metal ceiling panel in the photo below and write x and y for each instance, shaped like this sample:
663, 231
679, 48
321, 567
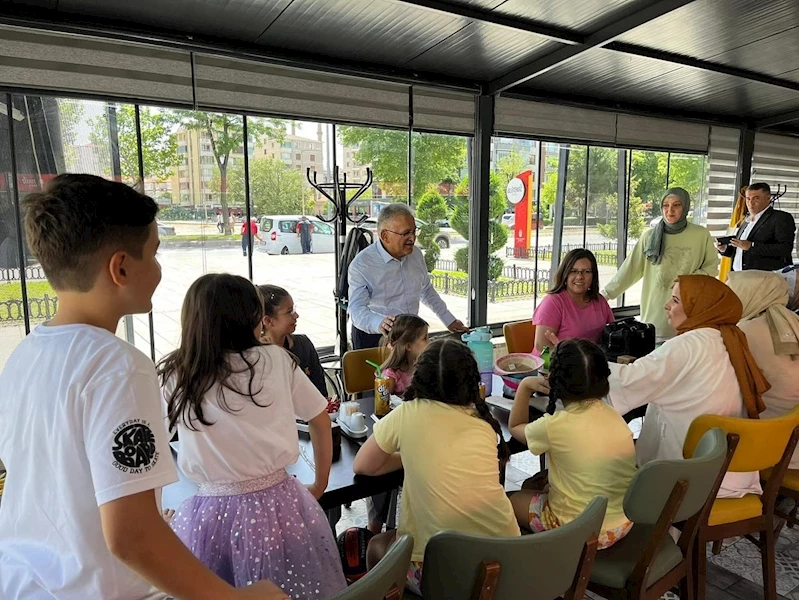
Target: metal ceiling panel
482, 51
379, 31
584, 15
241, 20
777, 55
612, 76
707, 28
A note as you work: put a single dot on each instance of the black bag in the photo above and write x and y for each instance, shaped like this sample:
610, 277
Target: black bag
357, 239
628, 337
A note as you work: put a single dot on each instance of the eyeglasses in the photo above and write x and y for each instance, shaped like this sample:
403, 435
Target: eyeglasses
583, 272
407, 234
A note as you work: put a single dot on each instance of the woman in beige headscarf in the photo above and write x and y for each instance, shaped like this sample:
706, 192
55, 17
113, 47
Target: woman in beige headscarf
773, 335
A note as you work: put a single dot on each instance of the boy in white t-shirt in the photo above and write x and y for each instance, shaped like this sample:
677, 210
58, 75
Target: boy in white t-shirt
81, 430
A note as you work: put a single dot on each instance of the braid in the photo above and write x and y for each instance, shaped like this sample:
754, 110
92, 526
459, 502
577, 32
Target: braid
503, 453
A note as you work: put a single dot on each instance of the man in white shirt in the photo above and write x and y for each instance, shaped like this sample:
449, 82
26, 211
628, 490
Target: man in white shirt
390, 278
766, 238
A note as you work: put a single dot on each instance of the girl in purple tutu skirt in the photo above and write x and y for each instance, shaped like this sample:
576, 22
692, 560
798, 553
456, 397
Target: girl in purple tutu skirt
233, 403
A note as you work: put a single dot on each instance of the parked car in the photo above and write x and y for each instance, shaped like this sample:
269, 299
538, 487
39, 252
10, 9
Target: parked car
442, 237
164, 230
508, 220
443, 223
279, 233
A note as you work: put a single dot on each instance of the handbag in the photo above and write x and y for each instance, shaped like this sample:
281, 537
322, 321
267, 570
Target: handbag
628, 337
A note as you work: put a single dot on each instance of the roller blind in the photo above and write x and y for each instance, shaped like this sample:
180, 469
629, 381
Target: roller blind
443, 110
776, 162
81, 64
539, 119
648, 132
246, 85
722, 175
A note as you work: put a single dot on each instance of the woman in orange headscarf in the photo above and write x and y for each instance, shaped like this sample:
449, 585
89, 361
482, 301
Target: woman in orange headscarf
706, 369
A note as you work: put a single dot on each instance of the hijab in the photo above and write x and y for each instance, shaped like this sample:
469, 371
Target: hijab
654, 245
766, 292
709, 303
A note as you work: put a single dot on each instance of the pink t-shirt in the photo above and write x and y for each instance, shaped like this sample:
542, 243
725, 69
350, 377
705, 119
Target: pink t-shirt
402, 379
569, 320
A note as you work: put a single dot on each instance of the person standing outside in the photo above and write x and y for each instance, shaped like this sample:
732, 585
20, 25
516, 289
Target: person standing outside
765, 239
390, 278
304, 231
220, 223
248, 230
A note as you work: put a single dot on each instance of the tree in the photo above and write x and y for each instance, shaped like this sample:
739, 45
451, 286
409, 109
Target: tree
159, 149
509, 167
225, 133
436, 158
430, 208
275, 188
497, 233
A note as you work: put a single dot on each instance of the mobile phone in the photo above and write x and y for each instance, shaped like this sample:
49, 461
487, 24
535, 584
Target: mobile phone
725, 239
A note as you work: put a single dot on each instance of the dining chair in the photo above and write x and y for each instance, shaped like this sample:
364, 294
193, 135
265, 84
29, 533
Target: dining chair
648, 562
765, 445
386, 581
519, 336
544, 566
357, 375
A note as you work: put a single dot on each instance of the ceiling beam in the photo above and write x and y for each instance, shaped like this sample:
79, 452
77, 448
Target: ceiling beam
558, 34
780, 119
598, 39
704, 65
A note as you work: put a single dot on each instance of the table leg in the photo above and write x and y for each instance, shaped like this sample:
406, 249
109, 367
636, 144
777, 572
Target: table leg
333, 517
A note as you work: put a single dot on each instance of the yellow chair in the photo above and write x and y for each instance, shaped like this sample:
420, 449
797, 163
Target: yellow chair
357, 375
519, 336
763, 444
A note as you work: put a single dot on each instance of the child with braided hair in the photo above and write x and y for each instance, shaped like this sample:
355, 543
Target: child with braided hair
450, 446
589, 446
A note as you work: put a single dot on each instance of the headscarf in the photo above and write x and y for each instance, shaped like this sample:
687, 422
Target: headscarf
766, 292
654, 245
709, 303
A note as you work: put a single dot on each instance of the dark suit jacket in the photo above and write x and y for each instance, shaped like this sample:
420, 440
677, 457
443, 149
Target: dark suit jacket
773, 238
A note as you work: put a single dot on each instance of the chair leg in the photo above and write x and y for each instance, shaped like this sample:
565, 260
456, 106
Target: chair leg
687, 584
543, 461
699, 567
716, 547
768, 551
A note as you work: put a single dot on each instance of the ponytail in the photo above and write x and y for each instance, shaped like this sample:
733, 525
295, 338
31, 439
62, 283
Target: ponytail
503, 452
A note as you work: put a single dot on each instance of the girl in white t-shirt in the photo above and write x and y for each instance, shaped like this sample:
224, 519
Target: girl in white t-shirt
233, 403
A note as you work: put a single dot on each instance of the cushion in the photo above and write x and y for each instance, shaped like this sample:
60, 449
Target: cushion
730, 510
614, 565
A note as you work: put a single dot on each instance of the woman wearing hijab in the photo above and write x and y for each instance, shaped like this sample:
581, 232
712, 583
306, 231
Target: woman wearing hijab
772, 332
706, 369
671, 248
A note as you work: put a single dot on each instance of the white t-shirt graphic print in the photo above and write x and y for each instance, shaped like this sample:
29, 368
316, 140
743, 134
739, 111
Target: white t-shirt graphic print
80, 425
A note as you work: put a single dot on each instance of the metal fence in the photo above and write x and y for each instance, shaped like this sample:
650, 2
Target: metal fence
497, 290
31, 274
605, 252
509, 271
40, 309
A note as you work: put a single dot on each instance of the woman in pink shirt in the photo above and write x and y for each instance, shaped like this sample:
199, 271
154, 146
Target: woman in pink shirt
573, 307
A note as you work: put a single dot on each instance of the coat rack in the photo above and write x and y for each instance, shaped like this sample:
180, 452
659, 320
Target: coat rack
336, 193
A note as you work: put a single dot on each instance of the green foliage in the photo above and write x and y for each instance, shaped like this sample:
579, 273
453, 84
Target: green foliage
275, 188
436, 158
431, 254
159, 149
430, 207
495, 267
497, 233
462, 259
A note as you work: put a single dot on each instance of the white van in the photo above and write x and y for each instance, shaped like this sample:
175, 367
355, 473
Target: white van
279, 233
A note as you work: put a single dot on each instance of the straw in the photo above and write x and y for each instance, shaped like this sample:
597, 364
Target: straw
378, 370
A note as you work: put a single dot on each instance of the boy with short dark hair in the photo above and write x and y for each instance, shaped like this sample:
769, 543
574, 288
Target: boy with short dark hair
81, 428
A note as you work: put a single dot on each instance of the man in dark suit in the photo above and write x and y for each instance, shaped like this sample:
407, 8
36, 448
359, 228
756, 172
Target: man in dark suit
765, 239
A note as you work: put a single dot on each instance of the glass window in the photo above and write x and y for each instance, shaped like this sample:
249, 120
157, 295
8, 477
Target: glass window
441, 203
516, 229
688, 171
602, 220
280, 187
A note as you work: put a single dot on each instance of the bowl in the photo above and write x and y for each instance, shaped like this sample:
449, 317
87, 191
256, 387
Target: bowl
512, 368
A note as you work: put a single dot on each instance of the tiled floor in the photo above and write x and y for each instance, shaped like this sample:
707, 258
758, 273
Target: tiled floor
735, 574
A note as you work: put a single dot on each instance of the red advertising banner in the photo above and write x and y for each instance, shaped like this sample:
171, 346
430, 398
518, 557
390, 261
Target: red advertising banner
520, 192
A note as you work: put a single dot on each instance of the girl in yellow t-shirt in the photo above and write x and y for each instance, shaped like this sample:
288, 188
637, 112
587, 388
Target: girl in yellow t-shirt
445, 438
589, 447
